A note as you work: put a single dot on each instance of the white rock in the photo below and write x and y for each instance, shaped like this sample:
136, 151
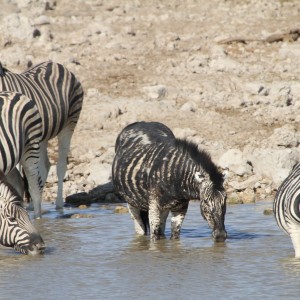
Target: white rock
286, 136
273, 163
189, 106
235, 161
21, 23
99, 173
155, 91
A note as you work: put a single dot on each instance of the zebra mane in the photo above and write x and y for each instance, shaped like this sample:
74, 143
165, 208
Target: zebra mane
202, 158
14, 196
2, 70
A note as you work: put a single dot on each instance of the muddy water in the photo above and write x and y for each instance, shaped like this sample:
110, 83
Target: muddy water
100, 258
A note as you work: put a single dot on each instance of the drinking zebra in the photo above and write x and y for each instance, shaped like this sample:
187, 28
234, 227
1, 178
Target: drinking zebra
287, 207
156, 173
16, 229
20, 135
58, 96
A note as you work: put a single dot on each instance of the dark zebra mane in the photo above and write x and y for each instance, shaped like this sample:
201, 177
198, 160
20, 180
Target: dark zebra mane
2, 70
17, 200
202, 158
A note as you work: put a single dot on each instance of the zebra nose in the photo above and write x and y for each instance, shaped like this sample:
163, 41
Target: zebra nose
219, 235
37, 245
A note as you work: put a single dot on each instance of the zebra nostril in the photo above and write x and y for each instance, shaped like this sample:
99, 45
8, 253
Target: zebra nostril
37, 244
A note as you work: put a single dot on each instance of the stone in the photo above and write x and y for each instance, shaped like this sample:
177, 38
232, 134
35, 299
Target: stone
235, 161
273, 163
155, 92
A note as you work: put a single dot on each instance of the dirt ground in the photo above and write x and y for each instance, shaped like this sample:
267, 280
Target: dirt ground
222, 73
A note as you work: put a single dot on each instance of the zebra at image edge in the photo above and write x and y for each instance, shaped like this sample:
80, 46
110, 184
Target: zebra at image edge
155, 173
287, 207
58, 96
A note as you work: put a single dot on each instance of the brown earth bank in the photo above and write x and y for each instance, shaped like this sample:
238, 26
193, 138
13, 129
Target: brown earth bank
221, 73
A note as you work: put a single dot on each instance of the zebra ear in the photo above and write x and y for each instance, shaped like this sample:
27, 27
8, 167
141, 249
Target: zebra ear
199, 177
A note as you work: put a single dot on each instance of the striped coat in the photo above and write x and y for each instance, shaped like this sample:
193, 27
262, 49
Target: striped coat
16, 229
20, 134
157, 173
58, 96
287, 207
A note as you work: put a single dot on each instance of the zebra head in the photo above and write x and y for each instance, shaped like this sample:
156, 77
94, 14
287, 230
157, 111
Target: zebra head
213, 204
18, 232
16, 229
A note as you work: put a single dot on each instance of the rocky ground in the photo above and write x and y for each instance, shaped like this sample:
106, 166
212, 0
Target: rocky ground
224, 74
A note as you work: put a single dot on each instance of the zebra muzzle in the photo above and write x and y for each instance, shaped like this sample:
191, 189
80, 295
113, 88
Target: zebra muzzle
37, 245
220, 235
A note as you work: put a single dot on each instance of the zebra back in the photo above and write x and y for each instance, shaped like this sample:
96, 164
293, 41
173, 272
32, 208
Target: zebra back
55, 90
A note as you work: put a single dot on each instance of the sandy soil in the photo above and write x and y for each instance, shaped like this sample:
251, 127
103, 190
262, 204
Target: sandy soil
222, 73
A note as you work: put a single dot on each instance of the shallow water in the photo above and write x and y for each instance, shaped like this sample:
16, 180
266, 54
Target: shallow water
101, 258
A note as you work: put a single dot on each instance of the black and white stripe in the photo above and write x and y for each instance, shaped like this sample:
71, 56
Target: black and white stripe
58, 96
287, 207
157, 173
20, 135
16, 229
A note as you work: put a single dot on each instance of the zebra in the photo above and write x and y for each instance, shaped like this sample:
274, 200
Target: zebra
58, 96
20, 135
286, 207
16, 229
156, 173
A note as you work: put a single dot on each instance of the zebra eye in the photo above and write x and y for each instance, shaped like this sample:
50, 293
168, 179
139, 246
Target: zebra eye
199, 177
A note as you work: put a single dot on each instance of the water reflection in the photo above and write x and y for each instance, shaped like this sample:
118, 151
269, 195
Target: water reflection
145, 243
291, 265
102, 258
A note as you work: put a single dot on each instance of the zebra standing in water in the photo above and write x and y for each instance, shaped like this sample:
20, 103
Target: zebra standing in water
58, 96
156, 173
20, 136
287, 207
16, 229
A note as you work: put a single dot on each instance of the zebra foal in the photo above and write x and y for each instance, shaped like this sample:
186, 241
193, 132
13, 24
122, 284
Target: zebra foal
58, 96
16, 229
287, 207
157, 173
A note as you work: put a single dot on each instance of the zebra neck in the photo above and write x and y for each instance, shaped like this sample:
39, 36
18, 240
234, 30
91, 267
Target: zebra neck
186, 183
7, 195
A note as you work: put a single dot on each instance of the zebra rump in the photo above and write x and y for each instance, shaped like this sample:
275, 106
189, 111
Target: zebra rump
287, 207
58, 96
156, 173
16, 229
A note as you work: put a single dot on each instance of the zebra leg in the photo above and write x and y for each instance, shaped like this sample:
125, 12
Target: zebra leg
295, 236
138, 221
176, 221
64, 142
44, 164
31, 169
155, 220
163, 220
